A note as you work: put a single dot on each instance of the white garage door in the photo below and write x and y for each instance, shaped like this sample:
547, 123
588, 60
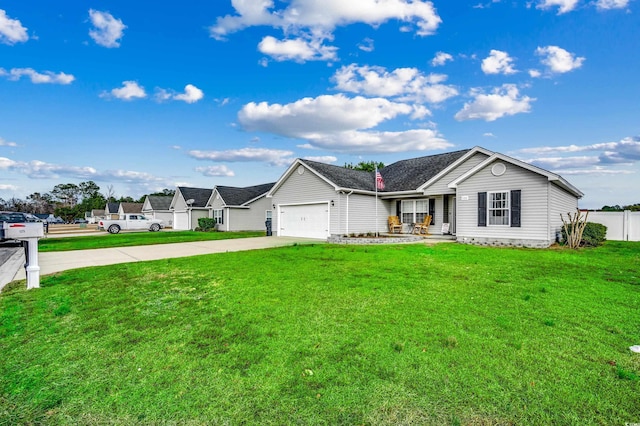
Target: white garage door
309, 220
180, 221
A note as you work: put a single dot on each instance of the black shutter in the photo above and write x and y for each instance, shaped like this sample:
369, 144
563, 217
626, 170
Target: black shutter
482, 209
432, 210
516, 207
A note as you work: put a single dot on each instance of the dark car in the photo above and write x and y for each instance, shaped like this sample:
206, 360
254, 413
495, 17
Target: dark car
80, 221
17, 217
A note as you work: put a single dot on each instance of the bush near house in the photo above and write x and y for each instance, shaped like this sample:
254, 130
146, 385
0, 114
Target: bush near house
594, 234
206, 224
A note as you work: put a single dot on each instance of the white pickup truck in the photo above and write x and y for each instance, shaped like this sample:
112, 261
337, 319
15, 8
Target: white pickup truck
131, 221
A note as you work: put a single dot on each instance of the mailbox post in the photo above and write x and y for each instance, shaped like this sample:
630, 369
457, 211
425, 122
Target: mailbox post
28, 233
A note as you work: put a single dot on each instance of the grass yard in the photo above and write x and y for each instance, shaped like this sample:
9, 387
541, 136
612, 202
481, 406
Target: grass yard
129, 239
327, 334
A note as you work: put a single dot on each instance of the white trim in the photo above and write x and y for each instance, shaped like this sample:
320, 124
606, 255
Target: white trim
551, 177
279, 213
508, 208
455, 164
290, 171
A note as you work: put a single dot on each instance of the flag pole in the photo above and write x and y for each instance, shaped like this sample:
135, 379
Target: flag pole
375, 183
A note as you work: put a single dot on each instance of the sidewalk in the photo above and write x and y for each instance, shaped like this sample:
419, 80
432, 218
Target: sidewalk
52, 262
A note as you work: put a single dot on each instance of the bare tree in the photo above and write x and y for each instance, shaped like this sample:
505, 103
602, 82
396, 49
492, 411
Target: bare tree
574, 227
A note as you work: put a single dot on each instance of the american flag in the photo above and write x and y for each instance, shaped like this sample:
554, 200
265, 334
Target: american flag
379, 180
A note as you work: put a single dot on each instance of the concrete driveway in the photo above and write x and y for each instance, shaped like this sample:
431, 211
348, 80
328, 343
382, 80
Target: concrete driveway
52, 262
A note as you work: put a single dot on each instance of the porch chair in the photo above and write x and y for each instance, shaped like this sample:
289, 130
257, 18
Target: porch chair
422, 227
394, 225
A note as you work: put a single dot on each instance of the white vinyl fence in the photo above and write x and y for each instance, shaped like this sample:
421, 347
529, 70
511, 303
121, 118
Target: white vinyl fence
621, 226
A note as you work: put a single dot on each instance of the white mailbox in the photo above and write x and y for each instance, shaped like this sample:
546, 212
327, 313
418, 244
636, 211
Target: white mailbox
28, 233
19, 231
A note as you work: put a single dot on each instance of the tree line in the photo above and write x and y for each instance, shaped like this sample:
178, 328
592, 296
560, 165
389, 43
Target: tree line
70, 201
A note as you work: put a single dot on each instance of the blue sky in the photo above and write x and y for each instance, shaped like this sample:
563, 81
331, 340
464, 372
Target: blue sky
149, 95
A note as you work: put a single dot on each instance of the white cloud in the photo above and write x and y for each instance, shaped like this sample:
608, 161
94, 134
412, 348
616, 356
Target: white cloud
534, 73
38, 77
405, 84
326, 15
440, 59
7, 187
505, 100
564, 6
191, 94
498, 62
340, 123
11, 30
308, 117
275, 157
130, 90
607, 157
611, 4
107, 30
558, 60
215, 171
379, 142
7, 143
329, 159
366, 45
488, 135
297, 49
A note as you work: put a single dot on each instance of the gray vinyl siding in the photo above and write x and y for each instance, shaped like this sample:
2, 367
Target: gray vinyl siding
534, 216
196, 214
361, 214
441, 185
560, 202
307, 188
248, 219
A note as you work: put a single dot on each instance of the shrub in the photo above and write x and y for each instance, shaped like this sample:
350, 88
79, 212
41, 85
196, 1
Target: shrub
206, 224
593, 235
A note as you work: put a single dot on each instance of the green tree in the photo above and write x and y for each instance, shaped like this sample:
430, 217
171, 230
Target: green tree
67, 194
367, 166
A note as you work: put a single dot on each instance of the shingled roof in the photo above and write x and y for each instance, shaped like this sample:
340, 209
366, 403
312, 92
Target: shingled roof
200, 196
234, 196
407, 175
404, 175
160, 202
131, 207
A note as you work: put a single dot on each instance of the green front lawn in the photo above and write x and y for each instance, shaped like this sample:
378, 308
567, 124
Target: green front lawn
326, 334
128, 239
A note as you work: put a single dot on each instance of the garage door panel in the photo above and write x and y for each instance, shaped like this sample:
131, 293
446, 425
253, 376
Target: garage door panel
309, 220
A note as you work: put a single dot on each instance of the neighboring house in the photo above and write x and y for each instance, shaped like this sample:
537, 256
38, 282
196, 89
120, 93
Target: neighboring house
94, 216
480, 196
111, 211
157, 207
129, 208
188, 205
241, 209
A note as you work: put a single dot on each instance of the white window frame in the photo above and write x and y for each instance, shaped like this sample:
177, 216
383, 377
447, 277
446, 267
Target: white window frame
218, 216
268, 214
410, 210
499, 205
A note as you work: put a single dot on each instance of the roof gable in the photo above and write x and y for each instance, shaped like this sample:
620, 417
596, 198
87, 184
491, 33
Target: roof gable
131, 207
551, 177
234, 196
158, 202
200, 196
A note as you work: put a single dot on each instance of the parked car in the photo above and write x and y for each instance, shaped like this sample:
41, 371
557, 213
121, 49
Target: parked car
16, 217
131, 221
80, 221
